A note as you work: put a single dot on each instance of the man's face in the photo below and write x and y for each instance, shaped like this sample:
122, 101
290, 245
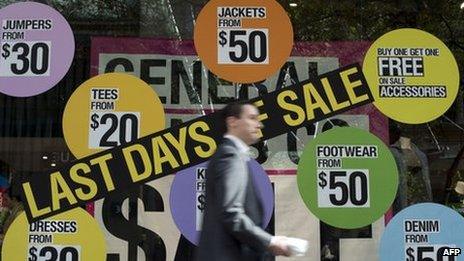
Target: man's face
247, 126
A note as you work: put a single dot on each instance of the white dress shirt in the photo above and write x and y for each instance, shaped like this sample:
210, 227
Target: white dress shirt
242, 147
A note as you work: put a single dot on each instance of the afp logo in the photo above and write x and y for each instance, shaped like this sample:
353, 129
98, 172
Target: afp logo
452, 251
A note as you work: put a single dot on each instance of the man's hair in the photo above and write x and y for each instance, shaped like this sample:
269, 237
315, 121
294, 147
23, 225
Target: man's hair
233, 109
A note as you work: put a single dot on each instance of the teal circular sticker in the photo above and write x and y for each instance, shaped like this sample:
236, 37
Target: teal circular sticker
347, 177
424, 232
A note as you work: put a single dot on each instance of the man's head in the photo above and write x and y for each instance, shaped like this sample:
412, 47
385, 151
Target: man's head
241, 120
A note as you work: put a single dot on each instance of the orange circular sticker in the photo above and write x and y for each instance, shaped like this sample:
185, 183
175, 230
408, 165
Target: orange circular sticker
243, 41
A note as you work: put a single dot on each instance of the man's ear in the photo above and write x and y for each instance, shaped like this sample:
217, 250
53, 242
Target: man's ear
230, 121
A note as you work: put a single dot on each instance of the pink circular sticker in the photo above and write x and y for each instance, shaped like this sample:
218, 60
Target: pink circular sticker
36, 48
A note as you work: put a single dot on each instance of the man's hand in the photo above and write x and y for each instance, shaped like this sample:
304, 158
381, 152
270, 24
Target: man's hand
279, 246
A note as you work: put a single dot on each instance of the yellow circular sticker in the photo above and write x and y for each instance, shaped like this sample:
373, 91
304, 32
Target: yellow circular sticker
73, 235
413, 76
243, 41
109, 110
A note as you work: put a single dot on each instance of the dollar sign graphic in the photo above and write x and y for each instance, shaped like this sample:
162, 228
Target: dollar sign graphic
410, 253
127, 229
322, 180
95, 122
6, 52
223, 39
202, 201
32, 254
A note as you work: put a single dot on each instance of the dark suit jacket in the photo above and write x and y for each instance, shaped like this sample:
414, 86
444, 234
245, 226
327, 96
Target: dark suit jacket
231, 226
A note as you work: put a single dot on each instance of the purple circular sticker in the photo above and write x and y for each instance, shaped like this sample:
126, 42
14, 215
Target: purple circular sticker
36, 48
187, 198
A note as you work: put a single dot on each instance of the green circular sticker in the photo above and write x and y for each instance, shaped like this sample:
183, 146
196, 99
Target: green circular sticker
413, 76
72, 235
109, 110
347, 177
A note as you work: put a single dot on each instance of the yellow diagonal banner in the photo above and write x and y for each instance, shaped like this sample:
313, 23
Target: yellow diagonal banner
170, 150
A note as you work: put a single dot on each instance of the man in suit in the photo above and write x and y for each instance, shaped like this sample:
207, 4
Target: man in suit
231, 226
